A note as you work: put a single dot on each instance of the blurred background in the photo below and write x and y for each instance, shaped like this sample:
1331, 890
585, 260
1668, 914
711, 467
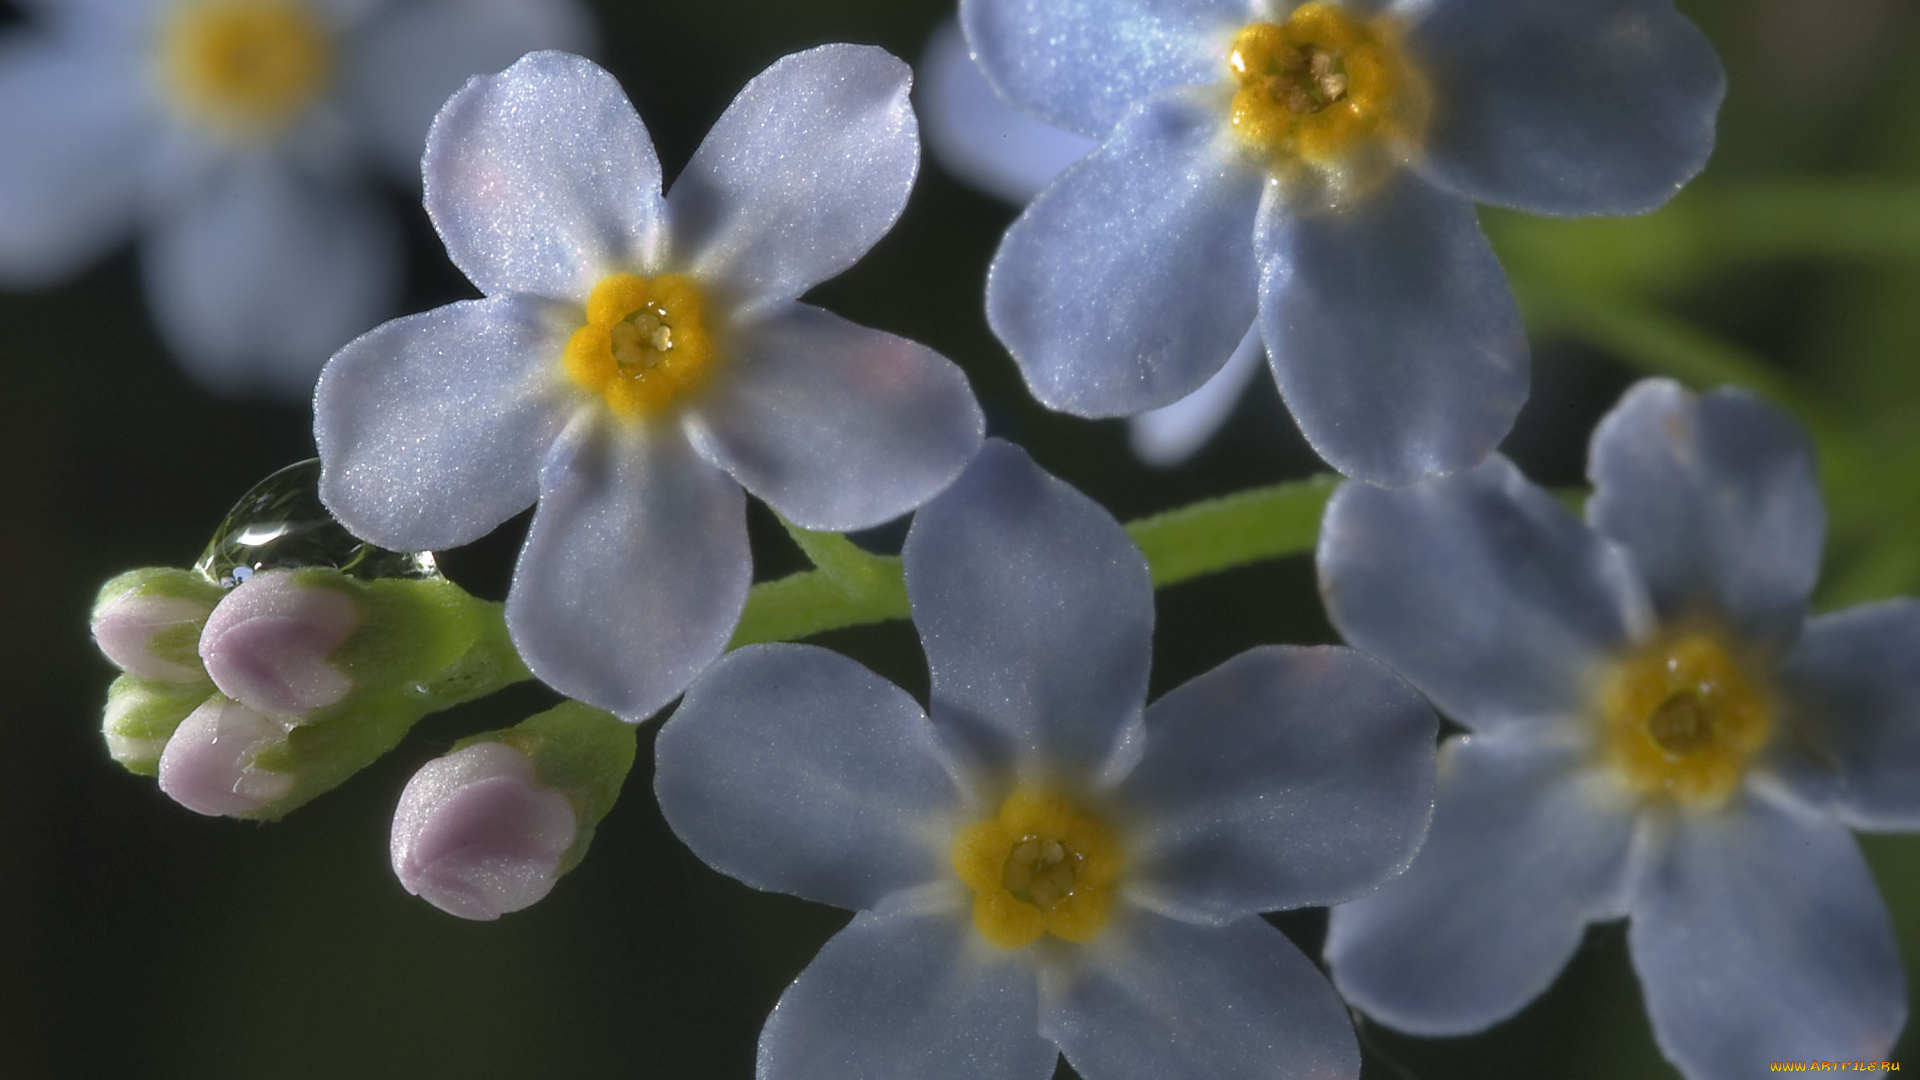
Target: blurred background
139, 939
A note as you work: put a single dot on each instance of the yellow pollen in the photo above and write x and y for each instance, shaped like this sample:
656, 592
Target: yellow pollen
1321, 87
1042, 865
1682, 718
244, 67
645, 343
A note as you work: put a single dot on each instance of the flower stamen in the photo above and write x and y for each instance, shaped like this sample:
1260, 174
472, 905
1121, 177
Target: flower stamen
1041, 865
644, 345
244, 67
1682, 718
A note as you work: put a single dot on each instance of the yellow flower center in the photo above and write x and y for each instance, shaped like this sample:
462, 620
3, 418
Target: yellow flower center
244, 67
645, 343
1683, 718
1042, 865
1321, 87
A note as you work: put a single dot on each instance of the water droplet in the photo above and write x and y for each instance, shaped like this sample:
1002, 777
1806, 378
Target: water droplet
282, 524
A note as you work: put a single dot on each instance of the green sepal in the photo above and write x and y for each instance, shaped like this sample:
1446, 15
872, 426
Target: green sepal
142, 714
580, 751
178, 644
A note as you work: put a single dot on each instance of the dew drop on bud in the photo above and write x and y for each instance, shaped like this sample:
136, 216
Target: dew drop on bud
282, 524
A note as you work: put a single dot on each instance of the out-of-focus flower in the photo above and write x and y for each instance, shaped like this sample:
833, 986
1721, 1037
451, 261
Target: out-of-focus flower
1042, 863
639, 358
1310, 170
237, 135
1658, 731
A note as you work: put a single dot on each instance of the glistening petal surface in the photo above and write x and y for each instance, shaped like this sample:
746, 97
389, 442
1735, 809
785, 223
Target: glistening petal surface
1035, 611
1391, 331
1568, 107
1160, 998
805, 171
1527, 847
634, 571
1170, 434
980, 138
1282, 778
1482, 590
1719, 500
1130, 280
907, 993
542, 179
1079, 64
1853, 686
431, 428
836, 425
1756, 929
794, 769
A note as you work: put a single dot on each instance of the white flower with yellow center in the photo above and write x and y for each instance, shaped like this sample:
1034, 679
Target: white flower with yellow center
237, 134
1657, 731
1042, 862
640, 357
1308, 170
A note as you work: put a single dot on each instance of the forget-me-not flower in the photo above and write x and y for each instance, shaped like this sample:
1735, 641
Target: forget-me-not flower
1310, 169
237, 136
1041, 862
640, 357
1657, 730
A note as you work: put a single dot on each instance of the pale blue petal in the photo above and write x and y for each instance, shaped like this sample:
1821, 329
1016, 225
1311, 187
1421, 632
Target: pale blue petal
1079, 64
1153, 998
1852, 682
1036, 613
1567, 106
264, 273
1391, 331
1170, 434
542, 180
836, 425
980, 138
805, 171
1529, 844
1483, 591
908, 994
1283, 778
431, 428
77, 128
1718, 498
1759, 935
1131, 280
411, 57
635, 569
797, 770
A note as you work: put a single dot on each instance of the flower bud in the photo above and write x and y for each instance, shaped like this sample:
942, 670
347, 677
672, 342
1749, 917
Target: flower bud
209, 763
477, 835
142, 715
267, 644
148, 622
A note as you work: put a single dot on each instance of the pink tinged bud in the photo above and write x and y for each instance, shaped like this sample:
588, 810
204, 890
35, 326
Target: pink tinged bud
266, 644
208, 768
129, 628
477, 836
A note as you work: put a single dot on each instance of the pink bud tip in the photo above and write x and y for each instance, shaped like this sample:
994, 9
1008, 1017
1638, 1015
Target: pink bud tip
477, 836
208, 768
266, 644
126, 627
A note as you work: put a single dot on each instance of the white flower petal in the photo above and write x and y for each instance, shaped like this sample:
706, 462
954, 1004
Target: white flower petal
635, 568
1170, 434
411, 57
908, 994
1568, 107
264, 273
1079, 64
1528, 845
542, 180
1159, 998
1130, 280
1036, 614
797, 770
977, 136
836, 425
1718, 498
77, 127
431, 428
805, 171
1282, 778
1759, 934
1482, 590
1391, 331
1853, 683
